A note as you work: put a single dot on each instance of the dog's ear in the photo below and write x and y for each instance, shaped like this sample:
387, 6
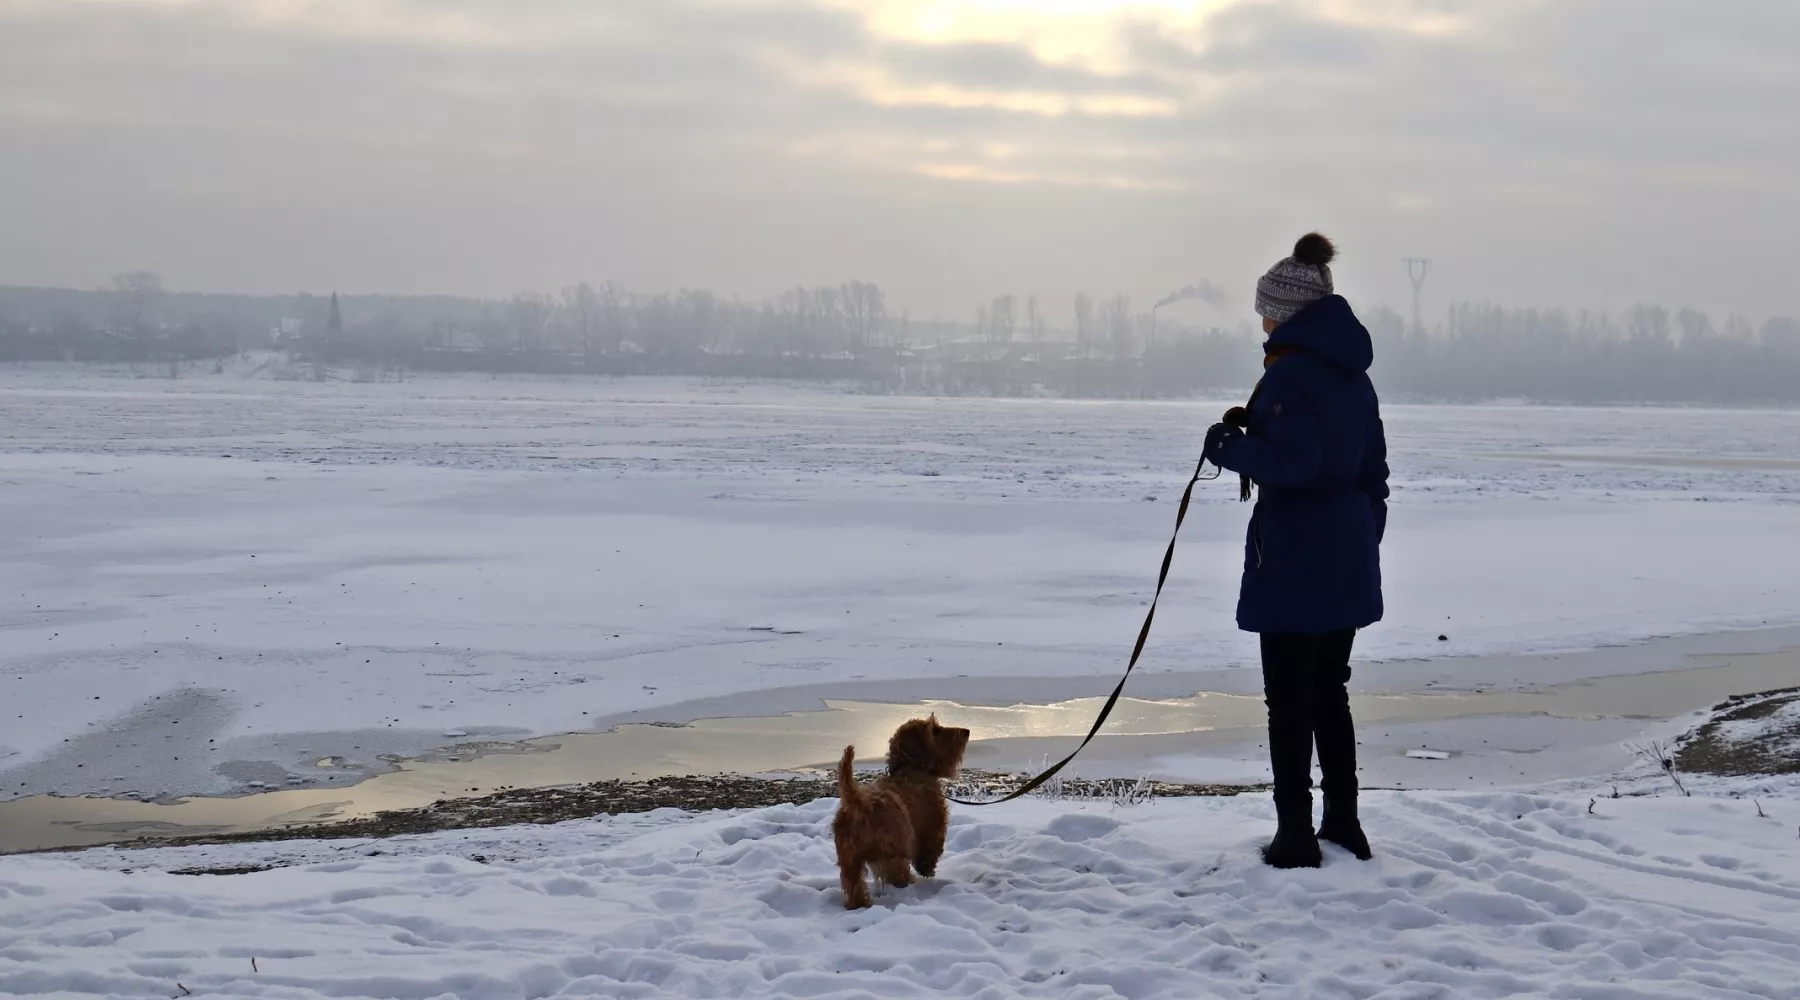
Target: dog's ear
925, 740
914, 746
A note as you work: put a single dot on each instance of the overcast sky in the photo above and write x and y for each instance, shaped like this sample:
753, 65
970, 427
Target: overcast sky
1547, 152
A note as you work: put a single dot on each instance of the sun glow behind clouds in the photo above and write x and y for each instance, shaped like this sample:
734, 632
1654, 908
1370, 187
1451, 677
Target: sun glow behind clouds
995, 175
1059, 32
882, 88
1081, 35
1085, 33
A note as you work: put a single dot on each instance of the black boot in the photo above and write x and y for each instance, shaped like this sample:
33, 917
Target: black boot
1335, 732
1294, 846
1288, 662
1341, 827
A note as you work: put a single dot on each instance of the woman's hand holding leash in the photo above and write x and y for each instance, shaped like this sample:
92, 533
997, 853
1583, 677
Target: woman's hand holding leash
1233, 425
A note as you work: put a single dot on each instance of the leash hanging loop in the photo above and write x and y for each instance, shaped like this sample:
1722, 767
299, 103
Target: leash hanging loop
1137, 650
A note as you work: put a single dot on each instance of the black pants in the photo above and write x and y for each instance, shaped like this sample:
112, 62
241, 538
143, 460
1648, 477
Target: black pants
1305, 681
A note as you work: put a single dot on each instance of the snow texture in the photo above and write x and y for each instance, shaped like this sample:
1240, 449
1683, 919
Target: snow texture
1470, 896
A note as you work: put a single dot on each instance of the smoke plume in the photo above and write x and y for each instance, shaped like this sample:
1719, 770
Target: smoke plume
1203, 290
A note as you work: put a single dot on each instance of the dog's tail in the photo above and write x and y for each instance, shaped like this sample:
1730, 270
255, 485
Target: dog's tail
849, 792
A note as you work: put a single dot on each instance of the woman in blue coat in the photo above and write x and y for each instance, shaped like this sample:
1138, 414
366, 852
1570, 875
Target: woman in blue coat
1311, 441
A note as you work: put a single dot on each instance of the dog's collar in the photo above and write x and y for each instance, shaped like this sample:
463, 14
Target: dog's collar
905, 768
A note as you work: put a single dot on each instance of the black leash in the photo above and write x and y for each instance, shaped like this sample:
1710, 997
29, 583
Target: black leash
1187, 495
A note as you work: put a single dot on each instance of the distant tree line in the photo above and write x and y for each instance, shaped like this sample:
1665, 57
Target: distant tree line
1647, 354
1010, 346
121, 324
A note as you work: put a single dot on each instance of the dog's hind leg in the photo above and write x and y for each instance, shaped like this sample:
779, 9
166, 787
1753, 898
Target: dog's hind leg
896, 871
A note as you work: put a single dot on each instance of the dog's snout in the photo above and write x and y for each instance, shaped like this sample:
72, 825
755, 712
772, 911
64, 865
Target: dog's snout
959, 738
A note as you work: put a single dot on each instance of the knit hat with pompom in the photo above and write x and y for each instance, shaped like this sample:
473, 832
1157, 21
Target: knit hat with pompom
1298, 281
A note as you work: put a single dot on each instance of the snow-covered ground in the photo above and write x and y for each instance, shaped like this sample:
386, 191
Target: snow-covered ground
206, 575
213, 581
1470, 896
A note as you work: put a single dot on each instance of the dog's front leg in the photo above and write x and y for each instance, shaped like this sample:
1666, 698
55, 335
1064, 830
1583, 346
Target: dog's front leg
856, 889
930, 849
896, 873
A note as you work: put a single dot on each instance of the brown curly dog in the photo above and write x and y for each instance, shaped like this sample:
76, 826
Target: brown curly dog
896, 824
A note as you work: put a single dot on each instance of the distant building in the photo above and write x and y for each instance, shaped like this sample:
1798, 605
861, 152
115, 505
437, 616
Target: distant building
287, 332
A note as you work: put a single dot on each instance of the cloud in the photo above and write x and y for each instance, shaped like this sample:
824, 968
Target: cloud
1544, 150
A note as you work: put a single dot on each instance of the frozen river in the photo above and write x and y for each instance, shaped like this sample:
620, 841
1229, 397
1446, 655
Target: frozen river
213, 583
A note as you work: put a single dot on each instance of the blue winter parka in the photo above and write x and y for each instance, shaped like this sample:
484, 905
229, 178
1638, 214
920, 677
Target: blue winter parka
1316, 449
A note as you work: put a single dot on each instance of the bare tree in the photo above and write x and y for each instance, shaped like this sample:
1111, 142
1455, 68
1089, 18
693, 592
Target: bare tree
865, 310
1034, 325
1002, 321
696, 320
828, 315
135, 294
1649, 326
1084, 325
529, 315
1695, 326
1116, 314
796, 328
582, 306
656, 323
489, 332
610, 303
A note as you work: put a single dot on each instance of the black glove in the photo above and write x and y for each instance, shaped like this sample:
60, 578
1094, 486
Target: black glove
1217, 435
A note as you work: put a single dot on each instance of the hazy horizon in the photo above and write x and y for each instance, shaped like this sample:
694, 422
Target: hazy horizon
1589, 154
